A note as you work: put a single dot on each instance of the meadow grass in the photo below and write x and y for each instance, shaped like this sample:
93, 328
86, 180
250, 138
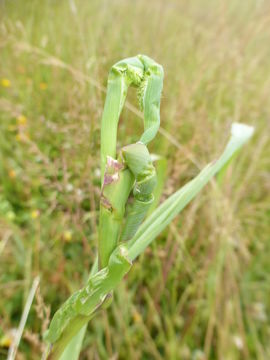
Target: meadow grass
202, 290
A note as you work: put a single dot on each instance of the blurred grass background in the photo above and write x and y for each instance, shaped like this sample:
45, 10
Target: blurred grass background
203, 289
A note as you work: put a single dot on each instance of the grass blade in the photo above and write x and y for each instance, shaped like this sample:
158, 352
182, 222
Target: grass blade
19, 332
165, 213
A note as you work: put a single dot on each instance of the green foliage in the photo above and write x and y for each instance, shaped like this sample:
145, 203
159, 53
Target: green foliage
202, 288
135, 158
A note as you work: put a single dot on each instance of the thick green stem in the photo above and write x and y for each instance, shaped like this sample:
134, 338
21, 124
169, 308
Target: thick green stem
117, 181
115, 191
138, 160
77, 324
145, 74
84, 304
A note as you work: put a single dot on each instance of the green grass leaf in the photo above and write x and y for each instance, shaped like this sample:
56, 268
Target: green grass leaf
165, 213
158, 220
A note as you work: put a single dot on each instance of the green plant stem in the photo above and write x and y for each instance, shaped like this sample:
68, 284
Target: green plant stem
145, 74
161, 217
58, 348
112, 210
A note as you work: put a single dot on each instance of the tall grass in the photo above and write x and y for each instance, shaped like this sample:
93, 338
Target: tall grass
203, 286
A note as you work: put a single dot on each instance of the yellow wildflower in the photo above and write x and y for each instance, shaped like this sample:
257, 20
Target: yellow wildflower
5, 83
34, 214
43, 86
67, 235
22, 137
21, 120
6, 341
12, 174
136, 316
19, 137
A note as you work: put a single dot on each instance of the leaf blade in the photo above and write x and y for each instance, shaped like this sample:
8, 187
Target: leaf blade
166, 212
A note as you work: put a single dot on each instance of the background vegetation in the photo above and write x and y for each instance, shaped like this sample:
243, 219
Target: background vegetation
202, 290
